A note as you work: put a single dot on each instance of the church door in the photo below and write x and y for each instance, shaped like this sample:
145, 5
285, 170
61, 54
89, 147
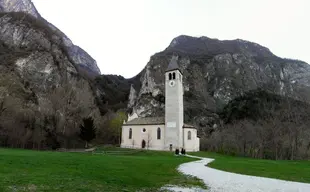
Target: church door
143, 144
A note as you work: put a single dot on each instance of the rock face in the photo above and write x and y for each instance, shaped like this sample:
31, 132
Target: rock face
75, 53
215, 72
82, 59
19, 6
43, 96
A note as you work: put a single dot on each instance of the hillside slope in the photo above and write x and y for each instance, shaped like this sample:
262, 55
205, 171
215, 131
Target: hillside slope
261, 124
43, 95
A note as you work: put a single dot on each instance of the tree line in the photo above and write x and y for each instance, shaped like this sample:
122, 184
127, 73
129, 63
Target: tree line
272, 127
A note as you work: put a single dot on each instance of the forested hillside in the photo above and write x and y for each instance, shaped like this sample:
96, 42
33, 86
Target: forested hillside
263, 125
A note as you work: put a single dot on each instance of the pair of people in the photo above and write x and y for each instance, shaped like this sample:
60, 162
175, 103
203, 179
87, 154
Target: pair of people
177, 151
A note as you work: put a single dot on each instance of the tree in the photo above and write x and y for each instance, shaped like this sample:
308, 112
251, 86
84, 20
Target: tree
115, 126
88, 130
65, 105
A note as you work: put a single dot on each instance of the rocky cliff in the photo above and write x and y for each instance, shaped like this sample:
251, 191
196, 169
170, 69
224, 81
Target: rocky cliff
75, 53
19, 6
43, 96
216, 72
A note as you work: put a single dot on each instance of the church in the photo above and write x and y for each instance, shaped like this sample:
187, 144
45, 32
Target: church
164, 133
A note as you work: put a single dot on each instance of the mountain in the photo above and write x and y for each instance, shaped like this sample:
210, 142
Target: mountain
81, 58
243, 99
45, 90
216, 72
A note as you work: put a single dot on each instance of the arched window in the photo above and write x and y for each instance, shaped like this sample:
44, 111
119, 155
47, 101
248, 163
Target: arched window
158, 133
170, 76
130, 133
189, 135
173, 76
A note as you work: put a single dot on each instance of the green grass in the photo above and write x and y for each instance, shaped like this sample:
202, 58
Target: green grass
282, 169
25, 170
112, 148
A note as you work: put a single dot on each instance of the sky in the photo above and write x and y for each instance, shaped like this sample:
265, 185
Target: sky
122, 35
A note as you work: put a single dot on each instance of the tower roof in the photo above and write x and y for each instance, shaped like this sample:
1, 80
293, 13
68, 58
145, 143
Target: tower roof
173, 65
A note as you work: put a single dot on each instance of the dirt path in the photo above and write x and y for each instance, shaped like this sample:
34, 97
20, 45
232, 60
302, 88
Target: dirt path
222, 181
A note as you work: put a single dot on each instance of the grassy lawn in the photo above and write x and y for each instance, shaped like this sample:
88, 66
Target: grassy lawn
25, 170
281, 169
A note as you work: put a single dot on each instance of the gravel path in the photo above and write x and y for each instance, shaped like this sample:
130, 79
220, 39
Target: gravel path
221, 181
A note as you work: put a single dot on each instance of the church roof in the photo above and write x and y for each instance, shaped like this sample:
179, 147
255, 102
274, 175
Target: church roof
152, 121
147, 121
188, 126
173, 65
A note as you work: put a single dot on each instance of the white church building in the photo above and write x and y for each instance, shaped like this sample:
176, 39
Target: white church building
168, 132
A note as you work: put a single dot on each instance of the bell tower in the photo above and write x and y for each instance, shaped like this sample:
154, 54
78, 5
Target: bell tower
174, 118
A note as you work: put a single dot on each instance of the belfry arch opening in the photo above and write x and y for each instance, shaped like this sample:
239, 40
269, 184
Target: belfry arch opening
170, 76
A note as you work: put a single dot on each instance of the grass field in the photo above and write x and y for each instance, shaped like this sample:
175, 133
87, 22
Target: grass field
25, 170
286, 170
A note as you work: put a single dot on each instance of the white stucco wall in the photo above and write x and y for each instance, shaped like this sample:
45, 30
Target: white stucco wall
193, 143
150, 137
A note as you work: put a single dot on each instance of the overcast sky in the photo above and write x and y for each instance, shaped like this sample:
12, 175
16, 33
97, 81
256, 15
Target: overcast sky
121, 35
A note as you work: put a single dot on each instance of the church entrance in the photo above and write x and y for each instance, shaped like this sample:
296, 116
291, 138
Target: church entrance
143, 144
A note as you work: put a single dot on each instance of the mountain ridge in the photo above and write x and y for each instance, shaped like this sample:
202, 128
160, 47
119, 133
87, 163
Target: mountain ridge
206, 45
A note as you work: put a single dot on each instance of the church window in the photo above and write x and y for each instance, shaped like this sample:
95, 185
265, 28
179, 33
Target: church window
170, 76
158, 133
189, 135
130, 133
173, 76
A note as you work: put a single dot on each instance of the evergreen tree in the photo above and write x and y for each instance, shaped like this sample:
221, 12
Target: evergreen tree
88, 130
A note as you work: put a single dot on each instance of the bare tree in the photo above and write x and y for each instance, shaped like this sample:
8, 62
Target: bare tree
67, 104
